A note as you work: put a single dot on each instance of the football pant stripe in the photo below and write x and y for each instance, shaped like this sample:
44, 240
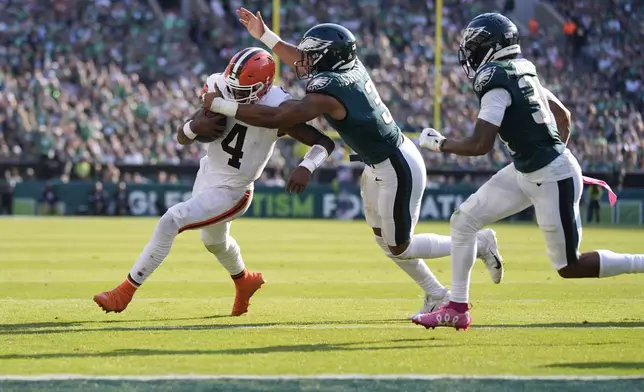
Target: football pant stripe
402, 214
240, 206
567, 216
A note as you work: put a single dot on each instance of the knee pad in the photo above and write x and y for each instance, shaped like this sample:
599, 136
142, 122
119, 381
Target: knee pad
221, 247
460, 222
215, 249
168, 223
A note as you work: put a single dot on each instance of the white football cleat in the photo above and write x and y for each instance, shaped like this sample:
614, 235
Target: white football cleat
432, 303
489, 253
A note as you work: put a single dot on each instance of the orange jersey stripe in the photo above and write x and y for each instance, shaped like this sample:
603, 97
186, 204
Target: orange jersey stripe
243, 203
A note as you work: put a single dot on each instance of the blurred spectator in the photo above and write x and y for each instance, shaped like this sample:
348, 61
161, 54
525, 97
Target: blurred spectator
97, 200
49, 201
121, 200
594, 198
7, 185
108, 82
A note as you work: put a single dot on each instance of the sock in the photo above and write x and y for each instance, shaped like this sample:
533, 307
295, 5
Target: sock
459, 306
417, 270
611, 263
156, 250
463, 255
229, 256
427, 246
430, 246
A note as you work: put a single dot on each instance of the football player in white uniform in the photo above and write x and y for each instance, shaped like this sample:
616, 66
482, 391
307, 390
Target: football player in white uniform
223, 189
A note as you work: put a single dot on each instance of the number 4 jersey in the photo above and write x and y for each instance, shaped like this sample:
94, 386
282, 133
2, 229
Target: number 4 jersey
238, 158
528, 129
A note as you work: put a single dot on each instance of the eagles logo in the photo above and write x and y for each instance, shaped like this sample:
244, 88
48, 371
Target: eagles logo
310, 44
318, 83
470, 33
483, 78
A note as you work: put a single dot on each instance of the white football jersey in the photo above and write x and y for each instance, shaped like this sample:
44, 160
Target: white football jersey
238, 158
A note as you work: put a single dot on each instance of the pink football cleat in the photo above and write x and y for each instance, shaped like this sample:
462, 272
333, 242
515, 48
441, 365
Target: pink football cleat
445, 316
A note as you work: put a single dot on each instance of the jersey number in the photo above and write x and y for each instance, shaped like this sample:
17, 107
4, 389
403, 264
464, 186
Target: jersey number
534, 94
236, 153
371, 90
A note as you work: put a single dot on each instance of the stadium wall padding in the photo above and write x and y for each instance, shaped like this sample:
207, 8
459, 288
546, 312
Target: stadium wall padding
319, 201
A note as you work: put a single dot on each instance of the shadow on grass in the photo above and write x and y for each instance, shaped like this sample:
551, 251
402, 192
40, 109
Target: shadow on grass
598, 365
580, 325
414, 344
77, 326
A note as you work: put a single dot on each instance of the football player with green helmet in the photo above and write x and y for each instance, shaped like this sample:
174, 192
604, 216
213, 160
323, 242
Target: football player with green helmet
393, 182
534, 126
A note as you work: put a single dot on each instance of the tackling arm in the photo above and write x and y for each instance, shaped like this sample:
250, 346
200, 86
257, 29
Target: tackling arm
561, 113
284, 116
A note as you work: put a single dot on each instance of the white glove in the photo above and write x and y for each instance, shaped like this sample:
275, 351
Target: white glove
431, 139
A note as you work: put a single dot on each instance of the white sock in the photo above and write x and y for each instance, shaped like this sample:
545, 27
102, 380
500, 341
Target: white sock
611, 263
427, 246
416, 269
463, 255
156, 250
229, 256
430, 246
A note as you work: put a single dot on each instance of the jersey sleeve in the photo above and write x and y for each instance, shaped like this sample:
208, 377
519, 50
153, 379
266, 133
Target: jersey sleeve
211, 81
323, 84
489, 77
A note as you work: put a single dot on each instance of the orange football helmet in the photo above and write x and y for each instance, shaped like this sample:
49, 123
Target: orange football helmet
249, 75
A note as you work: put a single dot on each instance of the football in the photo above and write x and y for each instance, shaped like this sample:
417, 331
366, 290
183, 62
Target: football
215, 123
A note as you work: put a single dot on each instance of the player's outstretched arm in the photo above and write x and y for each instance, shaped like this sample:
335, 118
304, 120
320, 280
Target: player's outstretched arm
321, 147
480, 142
311, 106
561, 113
258, 30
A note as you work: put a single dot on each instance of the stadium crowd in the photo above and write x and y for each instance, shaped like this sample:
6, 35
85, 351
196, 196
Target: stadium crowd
109, 82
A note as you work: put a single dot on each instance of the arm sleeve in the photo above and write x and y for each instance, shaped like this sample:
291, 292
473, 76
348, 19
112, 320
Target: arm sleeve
493, 105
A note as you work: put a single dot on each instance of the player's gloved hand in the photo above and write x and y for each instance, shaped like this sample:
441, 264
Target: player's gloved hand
253, 23
431, 139
298, 180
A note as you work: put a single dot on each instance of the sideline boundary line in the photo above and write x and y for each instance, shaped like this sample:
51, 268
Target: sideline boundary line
62, 377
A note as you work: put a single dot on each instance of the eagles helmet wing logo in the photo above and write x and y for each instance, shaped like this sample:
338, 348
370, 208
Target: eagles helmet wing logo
318, 83
483, 78
470, 33
310, 44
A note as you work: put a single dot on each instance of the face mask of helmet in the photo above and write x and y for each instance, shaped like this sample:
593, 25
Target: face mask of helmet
305, 67
242, 94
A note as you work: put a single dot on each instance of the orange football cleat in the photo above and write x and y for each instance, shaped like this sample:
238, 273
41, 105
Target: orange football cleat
116, 300
245, 287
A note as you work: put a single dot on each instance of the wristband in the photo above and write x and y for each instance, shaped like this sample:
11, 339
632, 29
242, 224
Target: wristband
227, 108
270, 39
188, 132
314, 158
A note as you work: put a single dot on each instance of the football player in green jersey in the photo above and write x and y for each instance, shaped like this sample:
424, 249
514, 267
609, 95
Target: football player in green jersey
394, 178
534, 126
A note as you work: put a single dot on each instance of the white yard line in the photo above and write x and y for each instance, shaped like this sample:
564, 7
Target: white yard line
58, 377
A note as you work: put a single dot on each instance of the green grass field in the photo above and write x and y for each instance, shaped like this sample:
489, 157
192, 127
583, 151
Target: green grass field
333, 304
